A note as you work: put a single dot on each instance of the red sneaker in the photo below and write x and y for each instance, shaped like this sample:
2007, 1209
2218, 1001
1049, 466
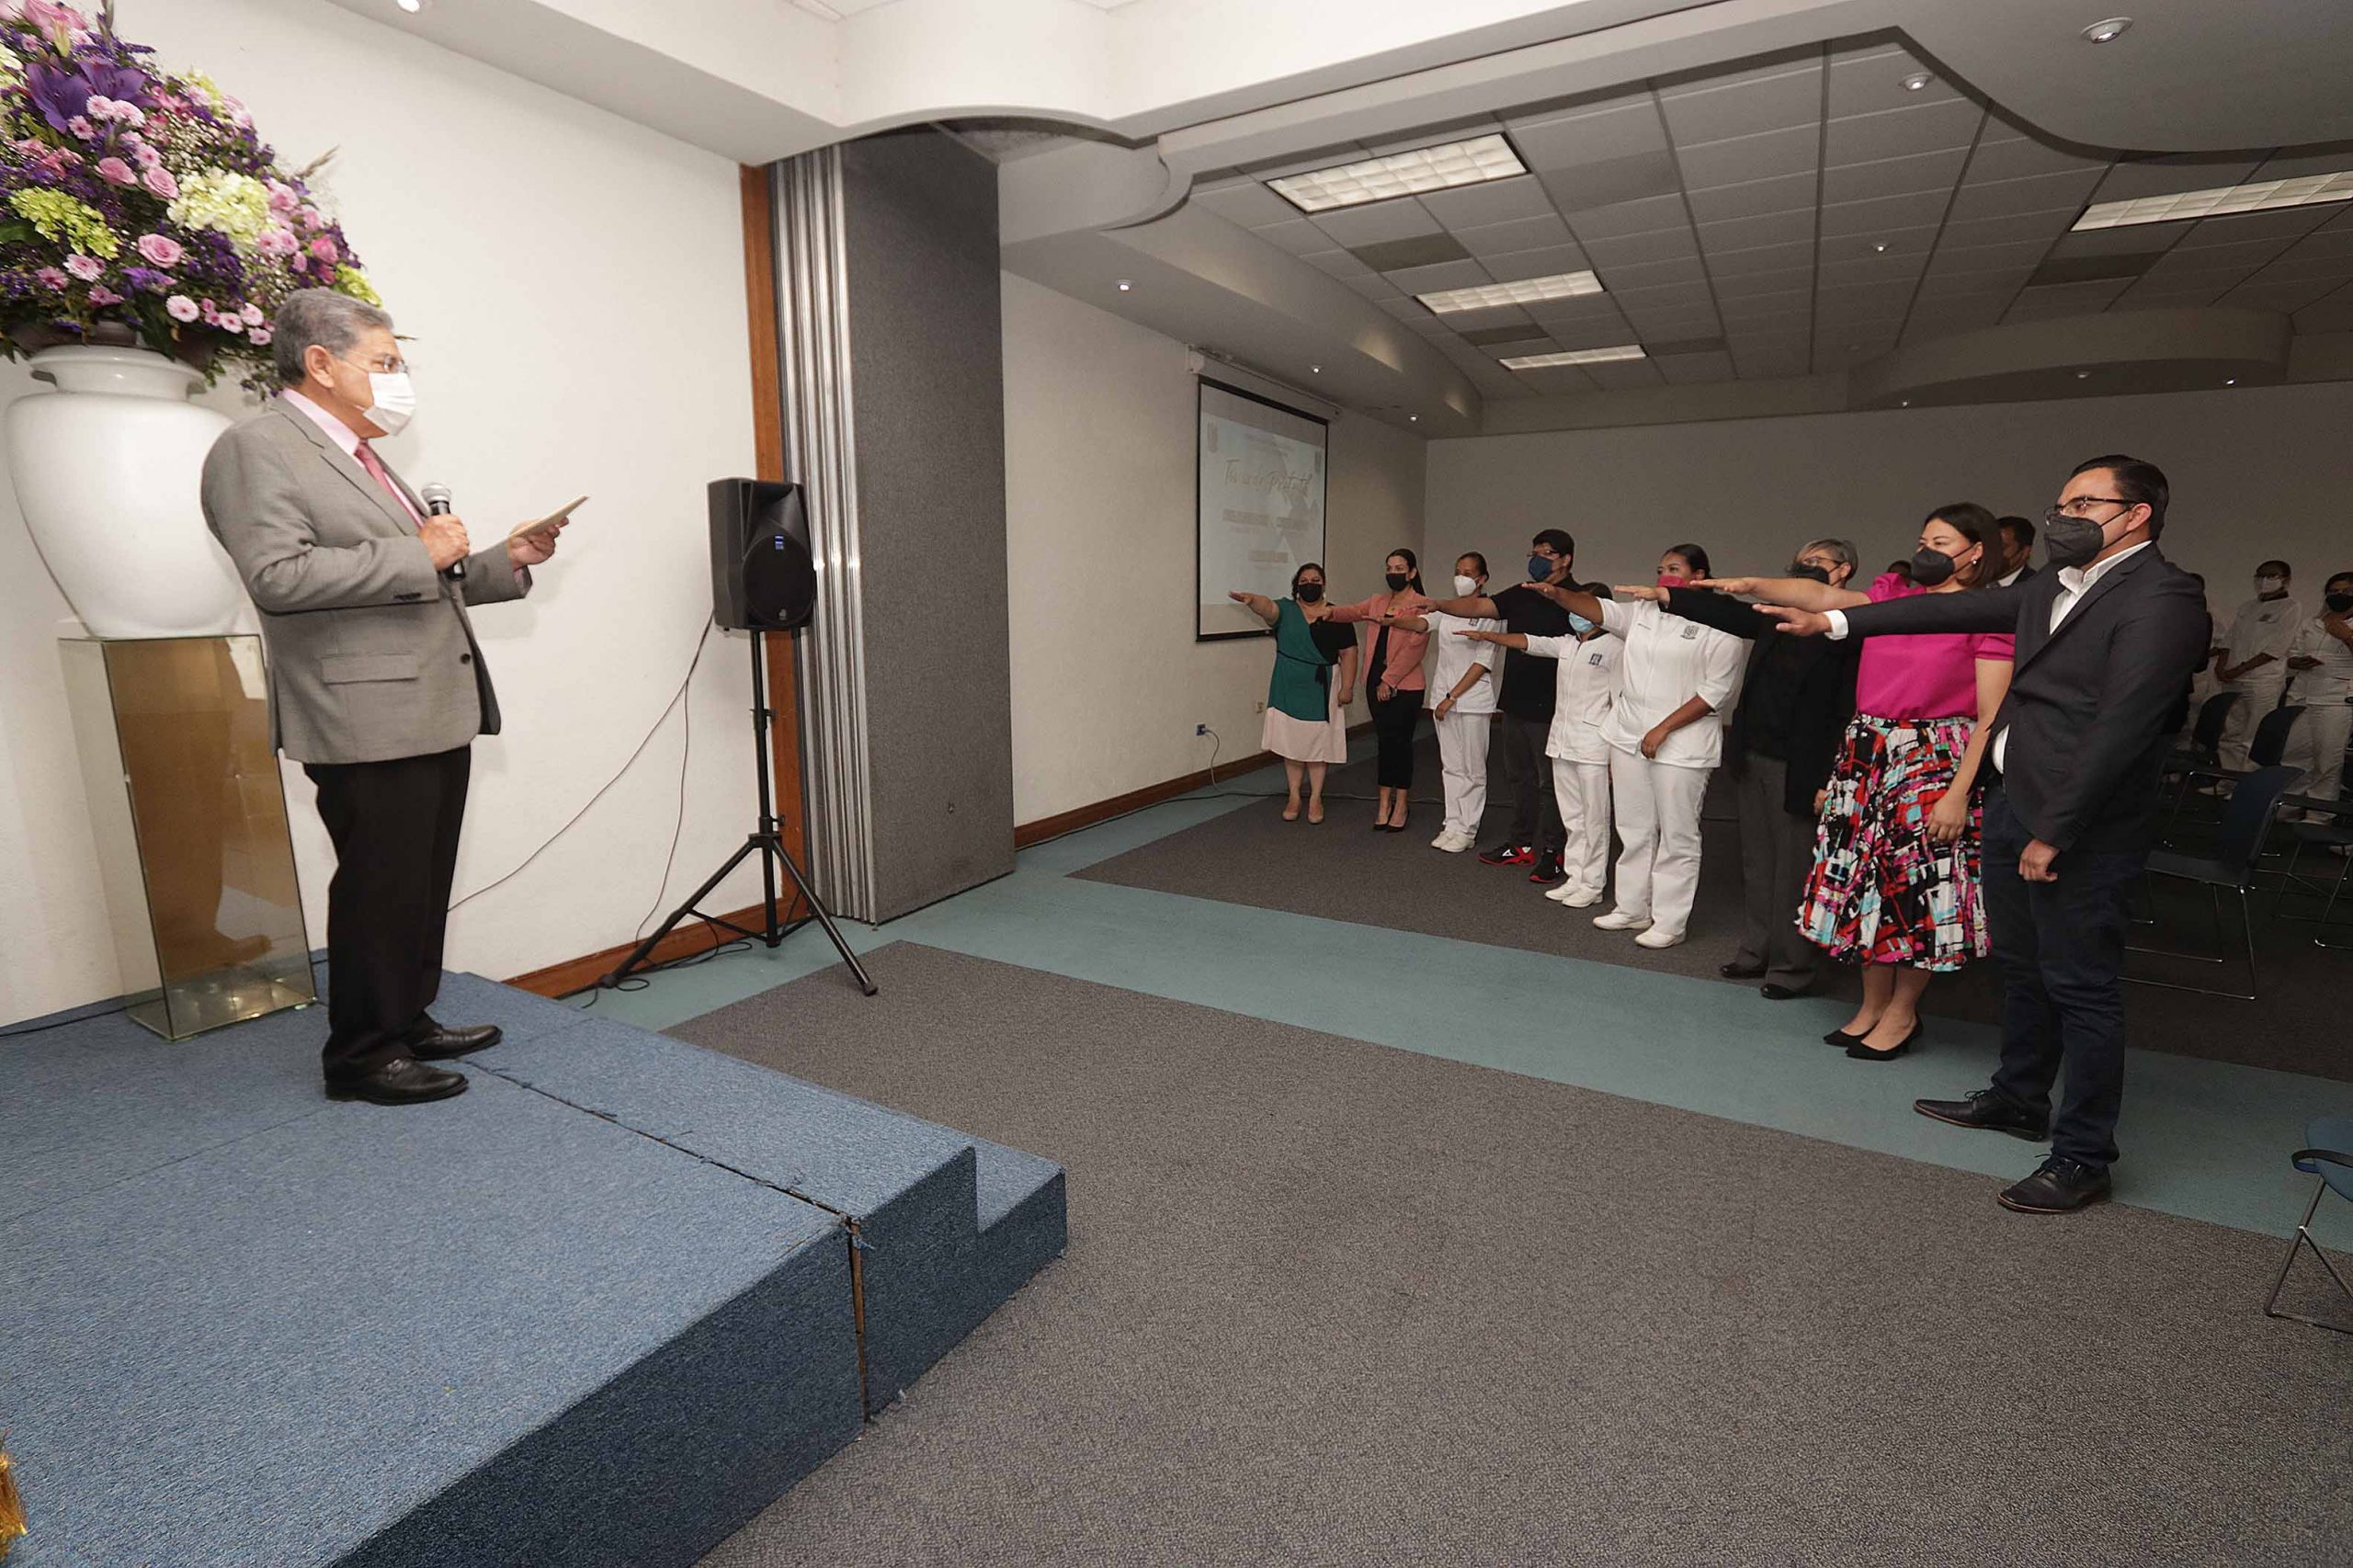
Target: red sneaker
1509, 855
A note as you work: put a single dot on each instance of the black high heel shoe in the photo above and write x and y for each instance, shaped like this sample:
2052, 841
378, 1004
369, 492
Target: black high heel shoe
1841, 1039
1861, 1052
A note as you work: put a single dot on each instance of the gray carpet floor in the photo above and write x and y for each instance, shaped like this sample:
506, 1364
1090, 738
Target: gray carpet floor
1342, 870
1326, 1303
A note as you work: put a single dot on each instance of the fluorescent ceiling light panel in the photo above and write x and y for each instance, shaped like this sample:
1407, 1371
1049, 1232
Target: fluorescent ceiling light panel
1526, 291
1475, 162
1574, 356
2220, 201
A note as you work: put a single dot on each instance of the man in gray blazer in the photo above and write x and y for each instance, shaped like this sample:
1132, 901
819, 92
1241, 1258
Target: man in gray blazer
376, 685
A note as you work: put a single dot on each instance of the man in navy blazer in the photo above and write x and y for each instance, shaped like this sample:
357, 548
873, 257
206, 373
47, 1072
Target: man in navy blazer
2106, 644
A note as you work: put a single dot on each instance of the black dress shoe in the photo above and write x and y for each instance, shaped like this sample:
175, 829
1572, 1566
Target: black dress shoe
2059, 1185
1862, 1053
1984, 1108
1738, 971
1776, 993
435, 1043
398, 1082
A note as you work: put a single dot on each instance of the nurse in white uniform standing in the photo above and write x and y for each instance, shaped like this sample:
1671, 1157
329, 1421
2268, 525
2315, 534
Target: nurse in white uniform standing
1584, 685
2320, 661
2254, 660
1675, 681
1462, 708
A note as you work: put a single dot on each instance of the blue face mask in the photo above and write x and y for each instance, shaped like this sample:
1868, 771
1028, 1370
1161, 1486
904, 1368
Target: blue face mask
1579, 624
1539, 567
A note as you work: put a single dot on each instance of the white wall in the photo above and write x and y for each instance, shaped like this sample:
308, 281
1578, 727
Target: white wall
574, 287
2255, 472
1108, 682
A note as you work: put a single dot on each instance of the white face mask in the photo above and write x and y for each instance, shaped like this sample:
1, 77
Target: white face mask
394, 400
1464, 587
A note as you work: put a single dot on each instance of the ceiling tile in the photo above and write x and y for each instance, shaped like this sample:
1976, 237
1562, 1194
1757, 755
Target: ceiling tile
1321, 158
1946, 317
2286, 295
1691, 370
1866, 84
1611, 182
1549, 262
1884, 212
1711, 109
1986, 258
2295, 264
1751, 307
1250, 204
1554, 381
2138, 239
1356, 227
1744, 234
2042, 228
1424, 250
1972, 285
1864, 301
1446, 275
1725, 265
1795, 151
1299, 237
1513, 347
1890, 244
2088, 268
2025, 156
1774, 358
2008, 198
2188, 258
1644, 217
1373, 286
1634, 250
1900, 133
1435, 135
1894, 177
2133, 178
1652, 273
1872, 269
1749, 285
1783, 193
2329, 240
1523, 233
1623, 373
1675, 296
1488, 337
1582, 307
1591, 335
1475, 321
2242, 228
1338, 263
2142, 296
1498, 201
2333, 313
1405, 308
1627, 131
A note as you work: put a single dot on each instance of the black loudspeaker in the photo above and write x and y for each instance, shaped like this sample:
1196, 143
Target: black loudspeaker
763, 578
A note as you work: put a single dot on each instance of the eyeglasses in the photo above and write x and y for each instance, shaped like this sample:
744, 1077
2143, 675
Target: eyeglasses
383, 364
2074, 508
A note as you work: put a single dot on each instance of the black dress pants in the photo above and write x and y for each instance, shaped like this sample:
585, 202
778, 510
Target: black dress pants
1535, 807
395, 825
2061, 946
1394, 718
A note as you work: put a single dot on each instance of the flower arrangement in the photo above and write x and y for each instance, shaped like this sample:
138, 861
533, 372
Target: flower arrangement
139, 207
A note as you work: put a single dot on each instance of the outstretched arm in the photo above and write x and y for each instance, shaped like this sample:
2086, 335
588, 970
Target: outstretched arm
1260, 604
1576, 601
1802, 593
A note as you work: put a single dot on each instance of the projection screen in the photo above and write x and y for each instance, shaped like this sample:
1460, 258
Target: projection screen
1258, 507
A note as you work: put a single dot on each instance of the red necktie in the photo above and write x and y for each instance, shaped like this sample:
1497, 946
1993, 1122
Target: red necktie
376, 471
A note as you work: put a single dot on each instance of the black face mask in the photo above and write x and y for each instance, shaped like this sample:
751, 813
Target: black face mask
1396, 581
1809, 571
1930, 567
1307, 593
2338, 604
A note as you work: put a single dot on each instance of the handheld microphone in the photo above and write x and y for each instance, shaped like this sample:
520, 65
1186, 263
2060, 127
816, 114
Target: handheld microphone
437, 503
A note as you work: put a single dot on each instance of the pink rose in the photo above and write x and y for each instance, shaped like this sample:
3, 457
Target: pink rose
283, 198
102, 295
278, 241
259, 336
114, 171
312, 218
50, 16
161, 250
88, 269
322, 247
50, 277
148, 157
300, 264
159, 180
80, 125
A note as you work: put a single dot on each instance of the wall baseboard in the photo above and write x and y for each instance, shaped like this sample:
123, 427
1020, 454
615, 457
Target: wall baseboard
578, 974
1071, 821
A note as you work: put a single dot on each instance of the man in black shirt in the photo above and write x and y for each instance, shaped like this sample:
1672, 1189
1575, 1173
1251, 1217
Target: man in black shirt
1524, 706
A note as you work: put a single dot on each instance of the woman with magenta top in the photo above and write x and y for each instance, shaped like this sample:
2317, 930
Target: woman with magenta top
1895, 884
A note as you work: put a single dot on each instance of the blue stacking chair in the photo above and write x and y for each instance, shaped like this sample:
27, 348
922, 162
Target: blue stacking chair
2330, 1138
2246, 823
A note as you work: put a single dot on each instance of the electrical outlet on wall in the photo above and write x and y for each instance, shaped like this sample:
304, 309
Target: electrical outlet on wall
1200, 729
1261, 707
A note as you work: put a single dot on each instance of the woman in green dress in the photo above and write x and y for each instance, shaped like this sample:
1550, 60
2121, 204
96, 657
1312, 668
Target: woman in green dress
1314, 677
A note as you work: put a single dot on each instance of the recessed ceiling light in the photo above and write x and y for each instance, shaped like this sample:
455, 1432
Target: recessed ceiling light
2108, 31
1574, 357
1906, 404
2221, 200
2231, 381
1526, 291
1126, 284
2083, 375
1316, 369
1880, 247
1412, 419
1475, 162
411, 6
1917, 80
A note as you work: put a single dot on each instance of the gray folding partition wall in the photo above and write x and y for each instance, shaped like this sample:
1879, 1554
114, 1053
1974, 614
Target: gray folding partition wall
894, 421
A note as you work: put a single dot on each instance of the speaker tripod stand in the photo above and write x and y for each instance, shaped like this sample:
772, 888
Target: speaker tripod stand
768, 843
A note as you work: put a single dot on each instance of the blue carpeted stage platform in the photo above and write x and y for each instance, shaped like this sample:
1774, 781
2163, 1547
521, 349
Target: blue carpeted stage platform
599, 1309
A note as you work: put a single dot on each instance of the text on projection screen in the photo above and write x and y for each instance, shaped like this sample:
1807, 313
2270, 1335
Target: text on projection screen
1262, 480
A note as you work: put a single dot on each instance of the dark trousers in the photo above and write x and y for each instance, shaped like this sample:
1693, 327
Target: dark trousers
395, 830
1394, 719
2061, 946
1535, 810
1776, 859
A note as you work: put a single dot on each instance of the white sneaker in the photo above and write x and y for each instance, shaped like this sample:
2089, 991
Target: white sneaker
1581, 898
1445, 840
1619, 920
1657, 937
1562, 894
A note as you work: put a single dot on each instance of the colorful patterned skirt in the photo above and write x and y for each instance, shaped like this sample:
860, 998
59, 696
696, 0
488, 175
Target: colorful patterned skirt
1881, 890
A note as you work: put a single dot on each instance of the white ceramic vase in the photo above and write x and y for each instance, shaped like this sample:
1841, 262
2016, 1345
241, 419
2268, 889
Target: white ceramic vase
107, 468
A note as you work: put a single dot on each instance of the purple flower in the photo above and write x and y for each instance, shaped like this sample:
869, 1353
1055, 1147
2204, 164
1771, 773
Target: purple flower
88, 269
147, 280
63, 95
